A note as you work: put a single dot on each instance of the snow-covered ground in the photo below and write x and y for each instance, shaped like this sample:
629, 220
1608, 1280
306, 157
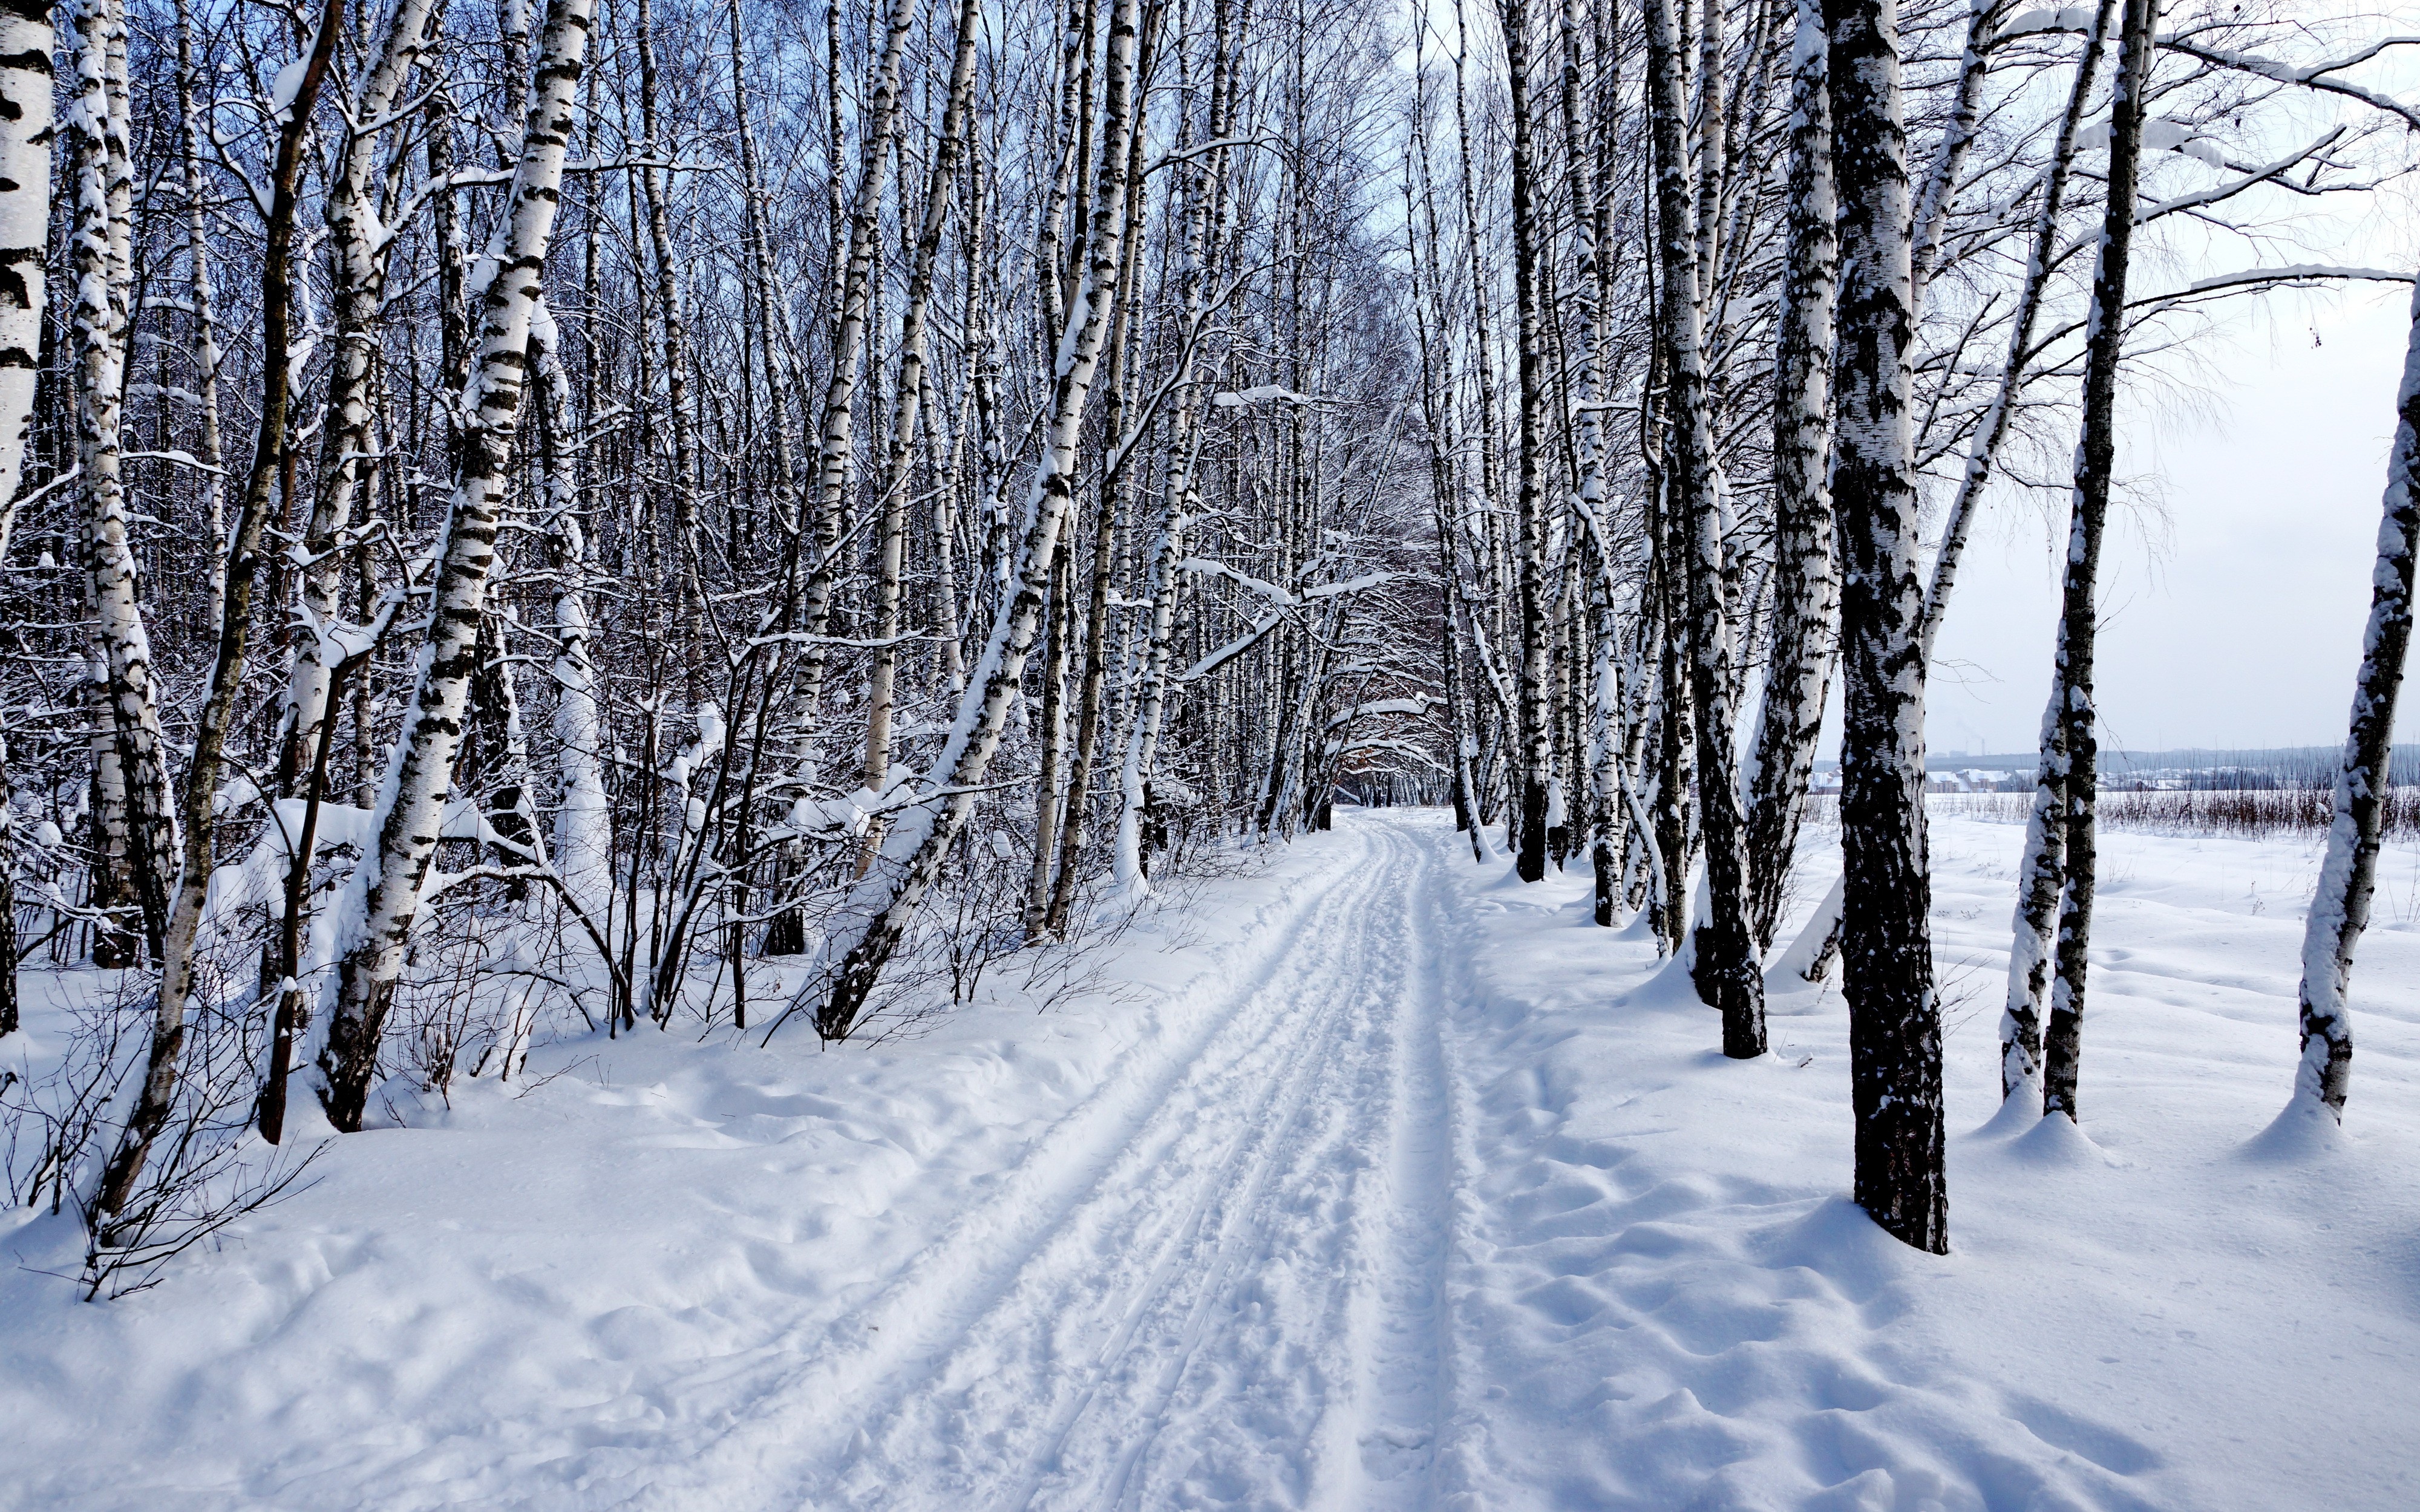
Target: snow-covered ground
1384, 1182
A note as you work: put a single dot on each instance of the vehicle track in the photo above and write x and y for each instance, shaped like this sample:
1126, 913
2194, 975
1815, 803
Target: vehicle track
1218, 1279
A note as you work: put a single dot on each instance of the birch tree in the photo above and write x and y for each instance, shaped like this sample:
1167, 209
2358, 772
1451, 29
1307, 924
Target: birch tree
2071, 754
1807, 591
878, 911
378, 904
2349, 869
1887, 948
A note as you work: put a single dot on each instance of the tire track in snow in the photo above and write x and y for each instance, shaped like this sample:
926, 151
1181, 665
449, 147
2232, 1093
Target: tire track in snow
894, 1350
1260, 1394
1406, 1349
1244, 1307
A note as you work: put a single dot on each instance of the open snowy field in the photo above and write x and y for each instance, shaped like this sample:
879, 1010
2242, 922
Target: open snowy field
1383, 1184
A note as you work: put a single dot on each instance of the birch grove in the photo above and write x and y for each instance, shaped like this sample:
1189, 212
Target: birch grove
529, 521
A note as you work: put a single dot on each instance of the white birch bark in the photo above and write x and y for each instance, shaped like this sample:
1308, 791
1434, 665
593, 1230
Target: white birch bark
205, 301
1983, 448
674, 328
97, 126
907, 407
359, 246
26, 87
876, 911
2348, 874
583, 816
1807, 590
1887, 948
179, 940
1726, 971
1940, 190
835, 447
2042, 871
2072, 679
374, 917
1536, 666
1202, 180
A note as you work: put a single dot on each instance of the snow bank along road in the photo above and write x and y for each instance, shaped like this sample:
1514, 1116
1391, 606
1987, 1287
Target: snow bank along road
1380, 1182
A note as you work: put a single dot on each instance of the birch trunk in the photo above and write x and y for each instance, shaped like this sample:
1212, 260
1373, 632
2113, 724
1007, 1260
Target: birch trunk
675, 333
1481, 321
1725, 971
771, 309
583, 816
359, 246
205, 301
1807, 587
1431, 321
2348, 874
1933, 201
878, 910
1894, 1014
906, 411
177, 944
1180, 487
1592, 197
376, 913
1111, 502
98, 132
836, 435
1536, 655
1053, 740
2041, 871
1983, 448
26, 87
2079, 615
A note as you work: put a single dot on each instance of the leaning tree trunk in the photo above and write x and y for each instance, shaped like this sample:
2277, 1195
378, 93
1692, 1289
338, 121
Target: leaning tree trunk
157, 1098
2079, 617
2041, 871
876, 911
359, 249
1726, 971
1983, 447
1806, 585
376, 912
1894, 1015
2340, 905
1939, 192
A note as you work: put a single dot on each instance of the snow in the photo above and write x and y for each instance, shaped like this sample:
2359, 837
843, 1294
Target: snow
1370, 1179
287, 84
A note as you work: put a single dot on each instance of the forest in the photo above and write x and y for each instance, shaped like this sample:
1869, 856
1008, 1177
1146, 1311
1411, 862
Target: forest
554, 529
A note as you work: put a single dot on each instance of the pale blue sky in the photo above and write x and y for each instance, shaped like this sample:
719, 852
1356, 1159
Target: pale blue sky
2232, 615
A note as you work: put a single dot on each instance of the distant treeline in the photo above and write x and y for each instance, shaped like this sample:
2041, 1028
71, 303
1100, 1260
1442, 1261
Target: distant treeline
2283, 768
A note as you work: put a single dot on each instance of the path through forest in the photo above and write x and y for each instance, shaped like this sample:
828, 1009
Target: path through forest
1219, 1281
1366, 1178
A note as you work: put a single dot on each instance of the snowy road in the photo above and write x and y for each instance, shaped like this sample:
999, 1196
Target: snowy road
1364, 1179
1219, 1280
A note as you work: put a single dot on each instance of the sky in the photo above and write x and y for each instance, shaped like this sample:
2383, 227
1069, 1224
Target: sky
2236, 574
2235, 579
